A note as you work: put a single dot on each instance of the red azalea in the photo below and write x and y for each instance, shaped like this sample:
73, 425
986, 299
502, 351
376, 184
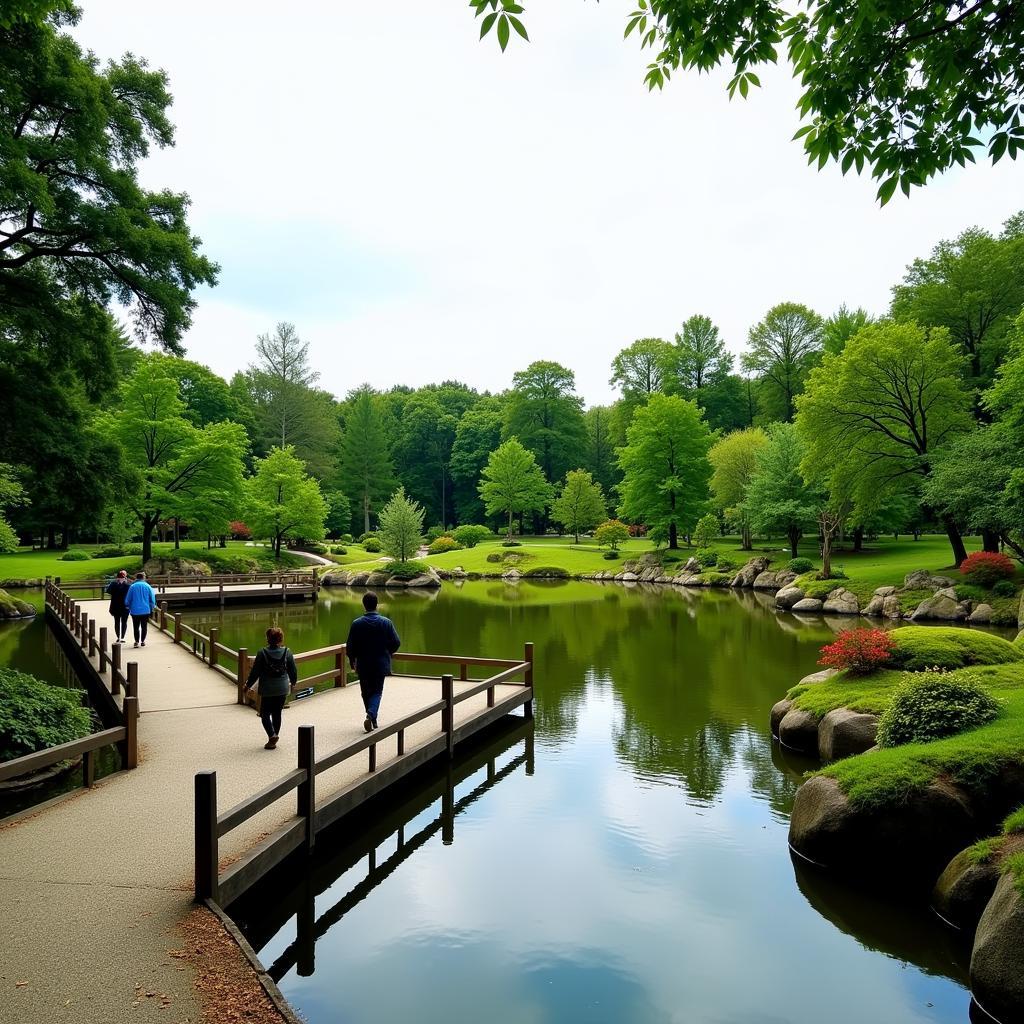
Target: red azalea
987, 567
858, 650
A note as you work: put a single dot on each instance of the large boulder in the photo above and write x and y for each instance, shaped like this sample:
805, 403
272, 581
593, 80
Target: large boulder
767, 580
818, 677
841, 602
807, 604
884, 591
14, 607
906, 844
779, 711
922, 579
964, 889
982, 615
746, 576
692, 566
788, 596
942, 606
843, 733
997, 980
798, 730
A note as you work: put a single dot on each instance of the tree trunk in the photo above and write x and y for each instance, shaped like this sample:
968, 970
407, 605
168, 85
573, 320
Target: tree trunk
673, 537
794, 539
223, 540
177, 534
826, 555
858, 538
366, 512
509, 537
990, 540
51, 538
746, 541
956, 541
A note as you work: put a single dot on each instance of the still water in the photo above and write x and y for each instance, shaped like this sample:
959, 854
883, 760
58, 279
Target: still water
623, 860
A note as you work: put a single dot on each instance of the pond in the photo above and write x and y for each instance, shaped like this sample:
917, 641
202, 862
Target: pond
623, 860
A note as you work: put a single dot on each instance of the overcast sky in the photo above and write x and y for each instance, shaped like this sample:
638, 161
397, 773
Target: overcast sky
423, 207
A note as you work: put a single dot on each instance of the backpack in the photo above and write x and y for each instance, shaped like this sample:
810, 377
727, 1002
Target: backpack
277, 662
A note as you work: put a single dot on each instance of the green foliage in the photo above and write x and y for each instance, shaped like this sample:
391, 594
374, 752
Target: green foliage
783, 348
12, 495
115, 552
407, 570
734, 463
476, 436
442, 544
283, 500
611, 556
611, 534
706, 530
365, 456
469, 535
699, 367
552, 572
948, 647
1005, 588
639, 370
983, 851
401, 526
35, 715
1014, 823
707, 558
75, 555
800, 565
512, 482
580, 505
433, 532
372, 545
665, 467
923, 710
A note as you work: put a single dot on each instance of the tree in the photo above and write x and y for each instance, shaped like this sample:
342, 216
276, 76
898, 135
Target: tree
974, 287
706, 530
783, 347
365, 459
174, 464
546, 415
665, 467
339, 513
734, 462
512, 482
401, 526
841, 326
700, 367
12, 495
611, 534
423, 451
580, 504
77, 229
207, 397
778, 500
904, 89
878, 413
477, 434
284, 501
599, 453
639, 369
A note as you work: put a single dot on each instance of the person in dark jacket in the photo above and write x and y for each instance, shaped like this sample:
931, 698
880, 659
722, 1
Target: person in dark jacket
274, 669
372, 639
117, 588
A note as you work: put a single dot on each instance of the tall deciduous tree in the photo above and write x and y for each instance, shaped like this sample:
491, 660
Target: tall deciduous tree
700, 368
401, 526
580, 504
76, 226
174, 462
477, 435
512, 482
599, 455
841, 326
639, 369
877, 414
12, 495
283, 501
665, 467
783, 348
734, 462
423, 451
778, 500
366, 466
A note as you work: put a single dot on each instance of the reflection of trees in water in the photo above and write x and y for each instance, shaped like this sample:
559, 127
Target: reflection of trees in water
769, 778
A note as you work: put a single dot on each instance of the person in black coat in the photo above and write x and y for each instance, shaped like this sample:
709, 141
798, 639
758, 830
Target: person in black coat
117, 588
274, 669
372, 639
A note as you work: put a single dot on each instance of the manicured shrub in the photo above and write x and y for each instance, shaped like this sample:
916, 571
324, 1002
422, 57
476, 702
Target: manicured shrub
408, 570
346, 538
637, 529
372, 545
434, 532
705, 531
858, 651
611, 556
110, 553
987, 567
239, 531
933, 707
495, 556
469, 535
442, 544
34, 714
611, 533
372, 535
706, 559
339, 550
511, 544
800, 565
75, 555
551, 572
916, 648
1004, 588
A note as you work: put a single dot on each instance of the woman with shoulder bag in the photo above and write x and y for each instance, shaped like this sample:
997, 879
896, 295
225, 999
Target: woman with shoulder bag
274, 670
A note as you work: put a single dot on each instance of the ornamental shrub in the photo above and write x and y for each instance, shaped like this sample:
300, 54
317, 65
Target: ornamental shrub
987, 567
800, 565
1004, 588
112, 552
239, 531
371, 535
469, 535
75, 555
916, 648
495, 556
372, 545
551, 572
706, 559
511, 544
611, 533
636, 529
434, 532
442, 544
859, 651
933, 707
705, 531
339, 550
611, 556
408, 570
35, 714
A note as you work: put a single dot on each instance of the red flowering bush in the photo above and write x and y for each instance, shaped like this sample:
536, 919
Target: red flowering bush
239, 531
858, 650
637, 530
987, 568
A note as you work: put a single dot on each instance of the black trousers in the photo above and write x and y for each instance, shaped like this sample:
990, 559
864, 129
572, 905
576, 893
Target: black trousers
140, 626
372, 691
121, 624
270, 713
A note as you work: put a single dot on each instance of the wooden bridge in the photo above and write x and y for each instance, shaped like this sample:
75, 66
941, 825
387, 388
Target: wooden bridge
207, 812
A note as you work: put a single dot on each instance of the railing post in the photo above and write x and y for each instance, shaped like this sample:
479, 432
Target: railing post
243, 671
88, 768
163, 616
220, 590
115, 668
339, 666
306, 791
83, 630
92, 637
103, 649
214, 633
463, 671
130, 712
177, 627
448, 712
528, 678
207, 882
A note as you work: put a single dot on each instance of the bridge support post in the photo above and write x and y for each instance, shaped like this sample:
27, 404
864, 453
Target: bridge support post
103, 649
163, 616
306, 799
130, 712
448, 712
528, 678
206, 845
177, 627
243, 671
214, 632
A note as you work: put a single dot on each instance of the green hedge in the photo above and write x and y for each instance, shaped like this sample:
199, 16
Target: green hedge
35, 714
920, 647
932, 708
551, 572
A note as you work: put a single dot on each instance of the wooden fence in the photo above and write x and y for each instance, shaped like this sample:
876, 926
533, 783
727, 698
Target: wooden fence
297, 583
301, 830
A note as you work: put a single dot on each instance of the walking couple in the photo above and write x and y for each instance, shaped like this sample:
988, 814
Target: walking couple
136, 600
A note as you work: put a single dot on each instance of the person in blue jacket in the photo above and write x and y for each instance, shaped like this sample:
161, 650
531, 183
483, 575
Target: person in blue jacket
372, 639
141, 603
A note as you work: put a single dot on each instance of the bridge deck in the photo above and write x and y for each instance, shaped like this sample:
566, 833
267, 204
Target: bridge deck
93, 887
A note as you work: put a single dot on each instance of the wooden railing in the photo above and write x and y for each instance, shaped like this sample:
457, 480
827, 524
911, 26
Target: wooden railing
82, 631
164, 580
301, 830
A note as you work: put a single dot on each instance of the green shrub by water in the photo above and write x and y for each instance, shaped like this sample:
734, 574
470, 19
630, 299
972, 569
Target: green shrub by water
551, 572
919, 647
407, 570
35, 715
1005, 588
707, 558
75, 555
800, 565
929, 709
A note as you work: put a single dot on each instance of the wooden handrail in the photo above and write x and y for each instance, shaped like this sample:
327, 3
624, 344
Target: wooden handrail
453, 659
487, 684
63, 752
252, 805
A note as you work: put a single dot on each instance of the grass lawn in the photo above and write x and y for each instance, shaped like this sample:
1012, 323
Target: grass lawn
535, 552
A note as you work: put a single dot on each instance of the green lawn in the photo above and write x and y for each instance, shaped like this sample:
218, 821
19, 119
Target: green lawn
534, 552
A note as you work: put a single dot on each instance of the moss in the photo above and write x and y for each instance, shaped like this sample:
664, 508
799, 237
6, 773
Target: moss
714, 579
1014, 865
868, 694
983, 850
1014, 823
920, 647
910, 599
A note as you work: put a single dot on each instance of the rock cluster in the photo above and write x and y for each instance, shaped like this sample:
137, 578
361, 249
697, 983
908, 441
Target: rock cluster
14, 608
377, 578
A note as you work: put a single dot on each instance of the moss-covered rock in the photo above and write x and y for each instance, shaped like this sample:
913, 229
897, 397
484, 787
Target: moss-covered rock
964, 889
798, 730
997, 981
920, 647
14, 608
174, 566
